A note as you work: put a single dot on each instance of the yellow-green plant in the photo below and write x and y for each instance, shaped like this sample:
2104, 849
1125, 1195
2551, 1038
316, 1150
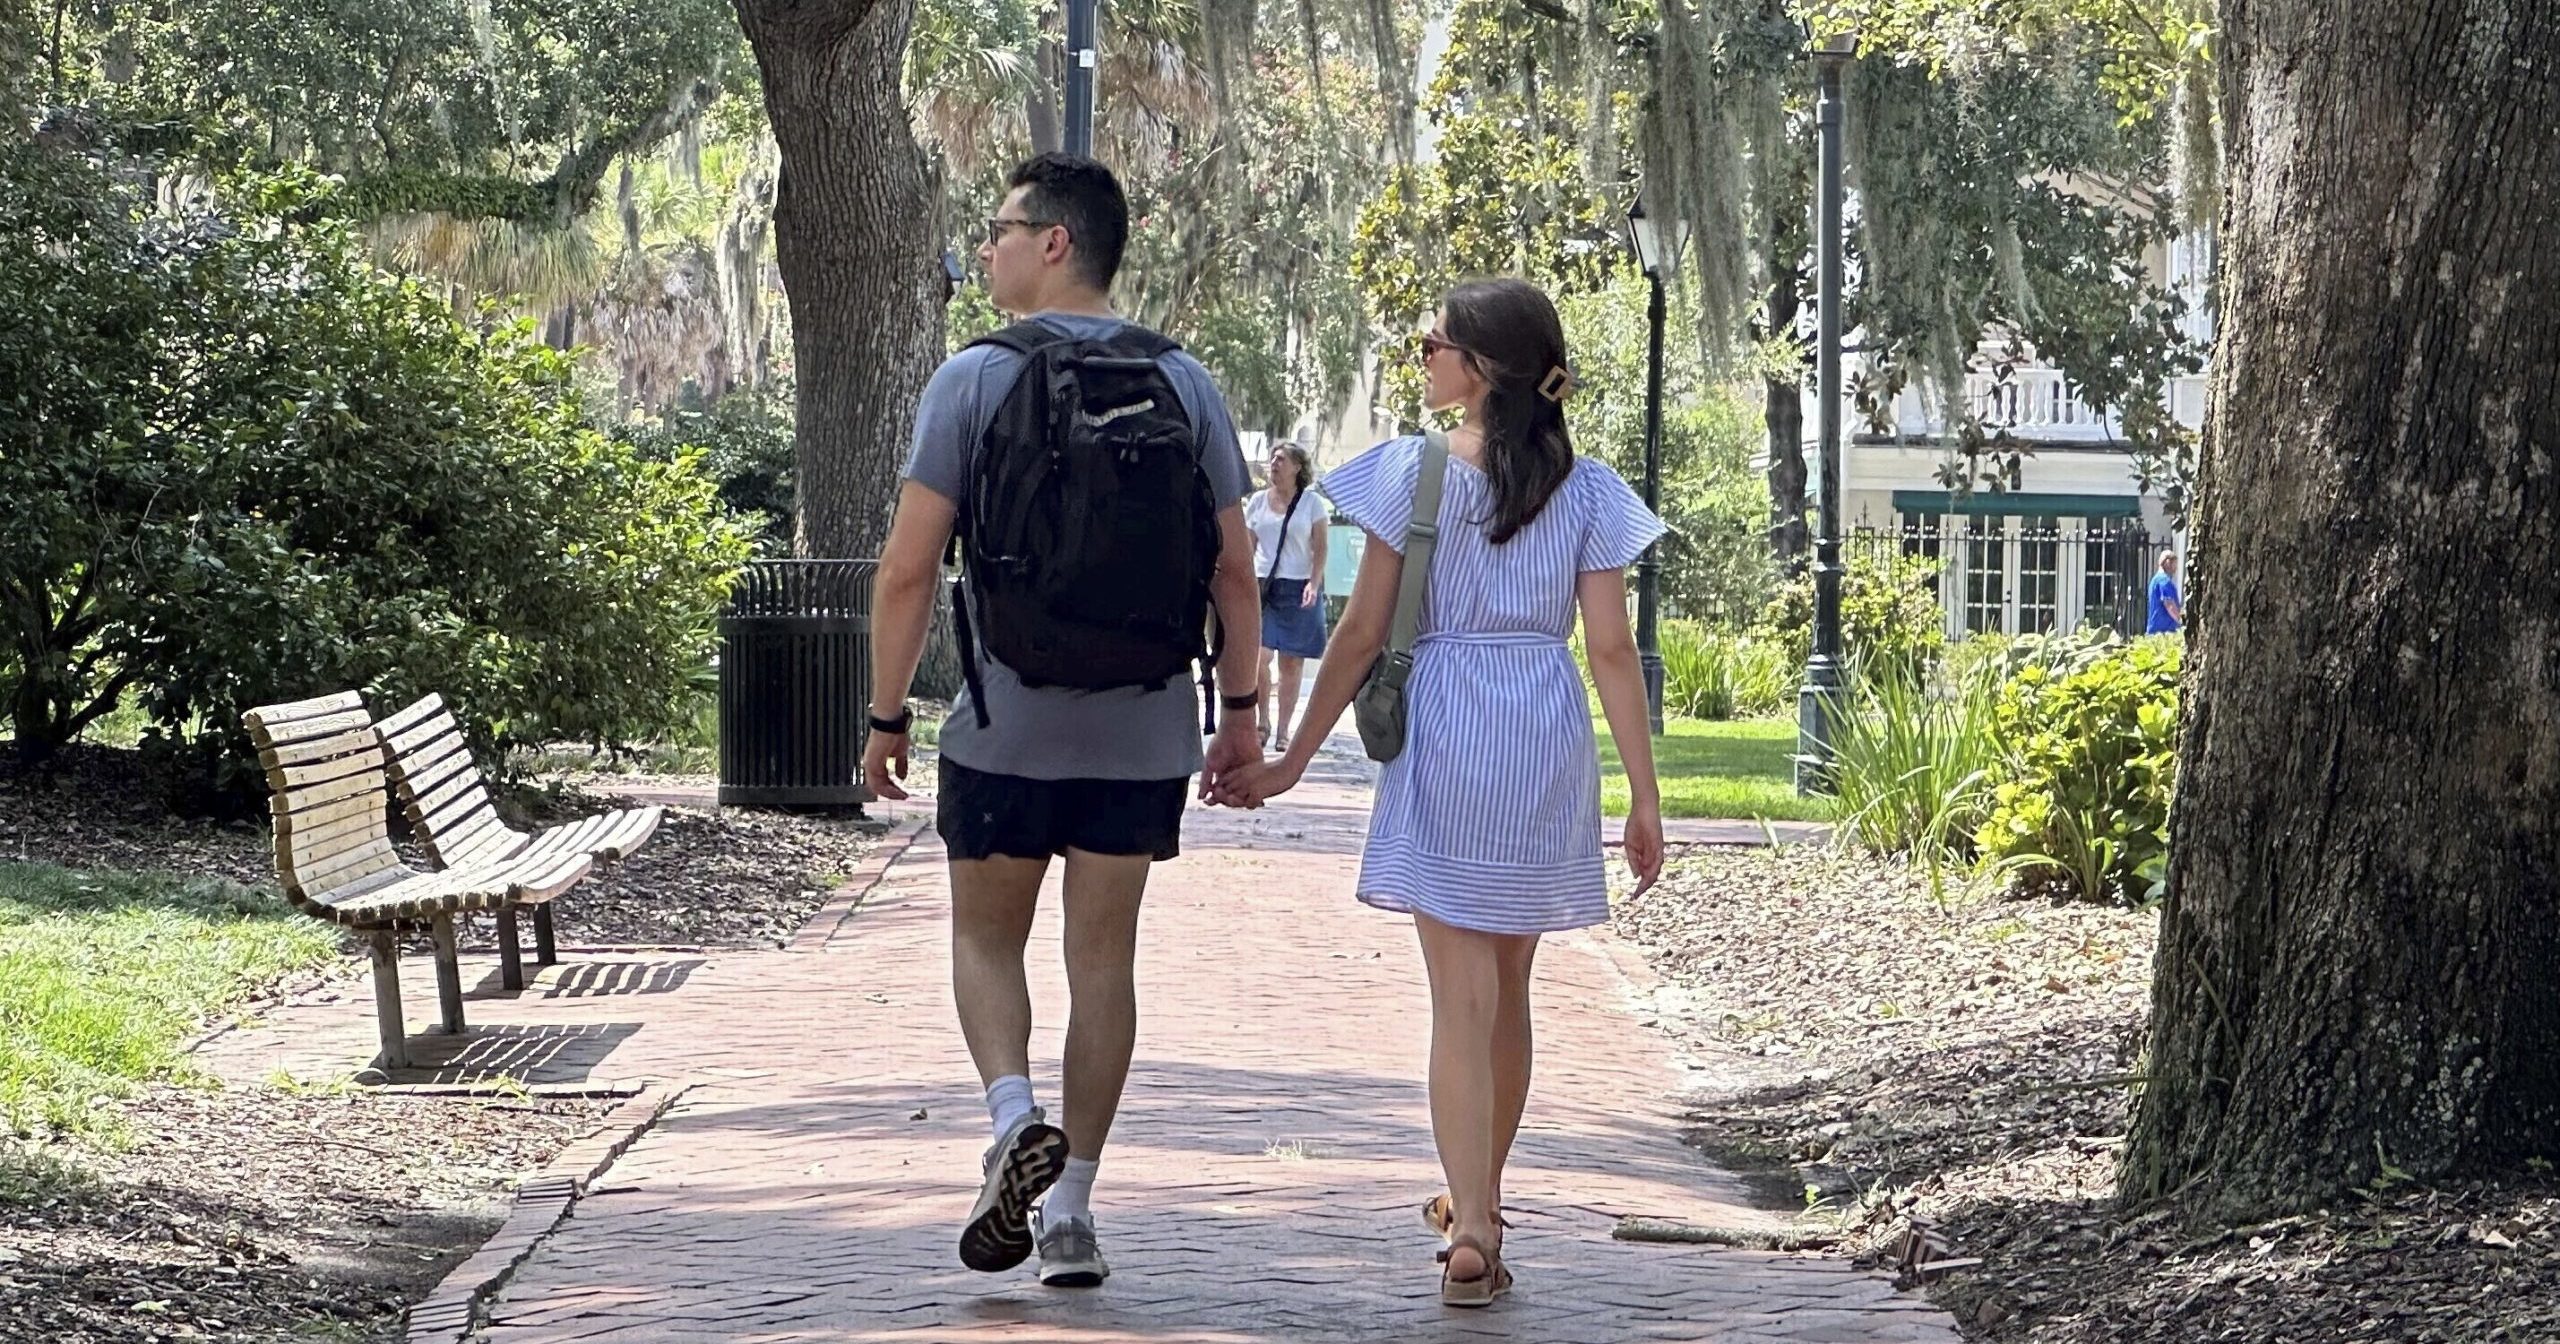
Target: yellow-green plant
2092, 761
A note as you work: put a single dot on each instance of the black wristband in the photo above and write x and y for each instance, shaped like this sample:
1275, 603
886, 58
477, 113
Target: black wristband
1248, 700
906, 719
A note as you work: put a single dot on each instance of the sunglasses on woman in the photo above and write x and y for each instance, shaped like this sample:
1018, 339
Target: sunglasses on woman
1433, 343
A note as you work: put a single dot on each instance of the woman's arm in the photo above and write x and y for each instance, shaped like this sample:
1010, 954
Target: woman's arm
1316, 547
1619, 675
1347, 656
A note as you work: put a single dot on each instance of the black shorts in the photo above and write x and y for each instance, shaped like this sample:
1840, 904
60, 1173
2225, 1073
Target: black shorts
982, 815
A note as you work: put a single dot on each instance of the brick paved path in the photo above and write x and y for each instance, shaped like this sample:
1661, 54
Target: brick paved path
1262, 1184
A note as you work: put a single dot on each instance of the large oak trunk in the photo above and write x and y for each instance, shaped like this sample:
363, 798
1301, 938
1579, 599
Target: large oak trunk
2359, 951
853, 227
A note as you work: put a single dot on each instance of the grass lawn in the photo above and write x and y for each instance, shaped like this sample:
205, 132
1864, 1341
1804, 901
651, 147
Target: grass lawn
104, 975
1743, 768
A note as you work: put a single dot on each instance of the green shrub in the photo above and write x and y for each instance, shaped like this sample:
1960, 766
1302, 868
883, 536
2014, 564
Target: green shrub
1912, 765
2091, 748
745, 443
1711, 674
243, 465
1891, 622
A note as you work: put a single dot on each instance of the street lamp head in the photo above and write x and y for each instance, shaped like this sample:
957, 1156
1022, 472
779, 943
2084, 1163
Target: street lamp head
1830, 48
1644, 235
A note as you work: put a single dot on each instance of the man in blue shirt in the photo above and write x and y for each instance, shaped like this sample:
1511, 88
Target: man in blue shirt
1099, 777
2168, 616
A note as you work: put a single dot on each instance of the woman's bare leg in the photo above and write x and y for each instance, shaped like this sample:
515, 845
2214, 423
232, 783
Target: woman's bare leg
1512, 1051
1292, 670
1262, 707
1466, 998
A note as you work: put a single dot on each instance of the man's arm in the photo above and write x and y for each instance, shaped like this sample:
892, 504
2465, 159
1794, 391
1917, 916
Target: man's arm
902, 593
1237, 592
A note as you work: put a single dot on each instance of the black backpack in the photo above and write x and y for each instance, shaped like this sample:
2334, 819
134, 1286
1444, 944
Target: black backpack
1090, 532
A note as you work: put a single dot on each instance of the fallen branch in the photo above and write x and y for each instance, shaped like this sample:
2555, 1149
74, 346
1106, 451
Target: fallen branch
1740, 1238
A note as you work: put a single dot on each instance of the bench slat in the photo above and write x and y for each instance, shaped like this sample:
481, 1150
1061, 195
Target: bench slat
318, 706
325, 771
356, 742
456, 815
337, 870
487, 844
573, 837
313, 818
413, 713
463, 785
423, 737
291, 802
341, 833
420, 773
638, 825
269, 735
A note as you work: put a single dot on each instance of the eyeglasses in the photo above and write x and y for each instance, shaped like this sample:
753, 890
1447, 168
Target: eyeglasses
1433, 343
997, 224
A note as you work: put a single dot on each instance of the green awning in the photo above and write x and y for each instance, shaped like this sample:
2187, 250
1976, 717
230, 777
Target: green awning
2019, 503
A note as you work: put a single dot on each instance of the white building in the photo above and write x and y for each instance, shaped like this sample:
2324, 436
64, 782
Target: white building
2073, 538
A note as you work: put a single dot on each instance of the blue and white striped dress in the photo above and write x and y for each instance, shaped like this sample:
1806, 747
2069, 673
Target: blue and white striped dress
1490, 820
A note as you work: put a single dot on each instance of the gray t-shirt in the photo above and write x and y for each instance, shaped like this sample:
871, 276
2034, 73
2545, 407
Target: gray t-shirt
1051, 732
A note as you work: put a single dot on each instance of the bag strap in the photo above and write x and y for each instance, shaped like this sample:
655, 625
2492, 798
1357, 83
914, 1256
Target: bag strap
1421, 536
1281, 547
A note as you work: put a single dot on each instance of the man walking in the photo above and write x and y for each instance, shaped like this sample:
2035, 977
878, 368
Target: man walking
2168, 616
1090, 473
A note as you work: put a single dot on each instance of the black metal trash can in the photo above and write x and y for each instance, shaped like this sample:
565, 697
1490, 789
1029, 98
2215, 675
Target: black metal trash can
795, 685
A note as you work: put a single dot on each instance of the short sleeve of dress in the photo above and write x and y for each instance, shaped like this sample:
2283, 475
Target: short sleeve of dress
1616, 526
1375, 489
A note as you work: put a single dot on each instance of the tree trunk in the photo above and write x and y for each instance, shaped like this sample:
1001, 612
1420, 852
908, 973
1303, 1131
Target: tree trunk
1790, 540
853, 235
2359, 944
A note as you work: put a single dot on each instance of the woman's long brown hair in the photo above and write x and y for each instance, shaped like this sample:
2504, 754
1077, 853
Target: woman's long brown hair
1510, 331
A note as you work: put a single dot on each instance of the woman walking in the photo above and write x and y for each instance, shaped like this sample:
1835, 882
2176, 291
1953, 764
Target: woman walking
1288, 553
1487, 825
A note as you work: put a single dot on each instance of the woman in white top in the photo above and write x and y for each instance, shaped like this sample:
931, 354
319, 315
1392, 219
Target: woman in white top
1288, 556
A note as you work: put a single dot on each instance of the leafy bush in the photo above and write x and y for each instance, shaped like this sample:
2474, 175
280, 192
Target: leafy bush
1891, 622
745, 443
2092, 761
1913, 767
242, 465
1709, 674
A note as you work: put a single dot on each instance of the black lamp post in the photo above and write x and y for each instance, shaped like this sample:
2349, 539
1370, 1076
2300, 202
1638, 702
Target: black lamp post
1082, 18
1644, 234
1824, 675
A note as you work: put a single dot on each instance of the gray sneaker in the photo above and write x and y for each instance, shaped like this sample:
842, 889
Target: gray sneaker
1019, 1169
1069, 1256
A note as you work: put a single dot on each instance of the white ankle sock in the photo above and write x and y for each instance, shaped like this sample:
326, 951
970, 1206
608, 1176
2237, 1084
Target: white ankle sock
1072, 1196
1008, 1100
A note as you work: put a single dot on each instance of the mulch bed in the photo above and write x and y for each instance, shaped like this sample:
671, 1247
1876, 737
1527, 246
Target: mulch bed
261, 1214
712, 879
1965, 1072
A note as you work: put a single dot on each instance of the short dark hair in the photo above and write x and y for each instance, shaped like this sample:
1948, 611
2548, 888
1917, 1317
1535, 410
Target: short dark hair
1082, 195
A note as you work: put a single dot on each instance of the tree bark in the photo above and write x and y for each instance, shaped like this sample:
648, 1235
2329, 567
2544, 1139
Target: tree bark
2359, 944
1790, 540
853, 235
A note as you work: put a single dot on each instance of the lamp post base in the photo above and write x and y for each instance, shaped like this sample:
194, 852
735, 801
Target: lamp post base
1652, 663
1817, 712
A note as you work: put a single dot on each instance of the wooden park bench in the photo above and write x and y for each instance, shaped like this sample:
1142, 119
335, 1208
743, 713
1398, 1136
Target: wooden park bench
455, 819
331, 802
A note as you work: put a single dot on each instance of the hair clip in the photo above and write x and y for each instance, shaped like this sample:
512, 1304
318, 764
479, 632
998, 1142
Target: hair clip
1557, 385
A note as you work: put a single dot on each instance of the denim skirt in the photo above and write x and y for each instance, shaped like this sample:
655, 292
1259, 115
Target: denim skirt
1289, 627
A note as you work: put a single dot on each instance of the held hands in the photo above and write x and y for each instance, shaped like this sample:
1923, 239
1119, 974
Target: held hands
1259, 784
1643, 845
1236, 747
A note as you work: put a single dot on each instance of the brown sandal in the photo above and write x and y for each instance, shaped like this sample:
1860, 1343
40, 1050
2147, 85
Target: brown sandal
1480, 1290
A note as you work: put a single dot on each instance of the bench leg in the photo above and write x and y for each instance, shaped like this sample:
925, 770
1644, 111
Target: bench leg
510, 952
544, 952
386, 998
448, 974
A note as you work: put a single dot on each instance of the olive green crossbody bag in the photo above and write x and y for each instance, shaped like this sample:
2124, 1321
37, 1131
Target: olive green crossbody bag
1379, 708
